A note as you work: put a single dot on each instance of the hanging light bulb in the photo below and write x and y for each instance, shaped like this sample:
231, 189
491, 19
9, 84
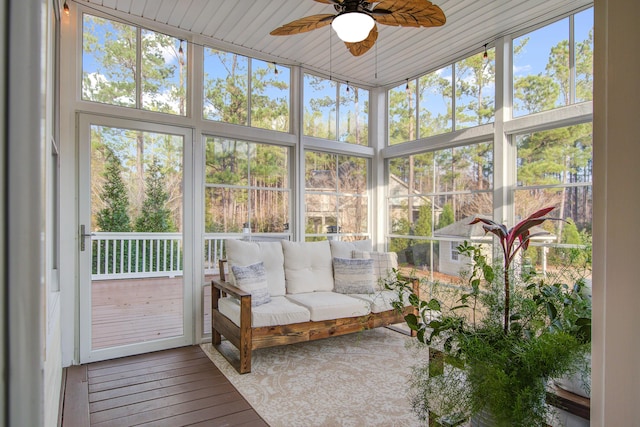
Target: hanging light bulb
485, 55
180, 51
65, 7
407, 88
275, 68
347, 87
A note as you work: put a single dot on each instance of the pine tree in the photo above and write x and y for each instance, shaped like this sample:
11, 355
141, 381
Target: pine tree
446, 217
154, 215
115, 215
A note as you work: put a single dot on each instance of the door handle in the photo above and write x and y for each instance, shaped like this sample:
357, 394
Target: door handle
84, 235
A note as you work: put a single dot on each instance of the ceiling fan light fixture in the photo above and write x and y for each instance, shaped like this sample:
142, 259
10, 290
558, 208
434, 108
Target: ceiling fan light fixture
353, 27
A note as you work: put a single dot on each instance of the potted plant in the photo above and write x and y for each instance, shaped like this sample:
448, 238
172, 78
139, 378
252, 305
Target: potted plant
507, 335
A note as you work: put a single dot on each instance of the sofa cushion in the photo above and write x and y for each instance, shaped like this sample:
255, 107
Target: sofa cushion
253, 279
270, 254
279, 311
381, 300
307, 266
383, 265
330, 305
341, 249
353, 276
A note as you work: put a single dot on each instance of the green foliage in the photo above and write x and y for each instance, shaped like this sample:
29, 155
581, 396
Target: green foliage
492, 369
422, 226
154, 216
447, 216
115, 215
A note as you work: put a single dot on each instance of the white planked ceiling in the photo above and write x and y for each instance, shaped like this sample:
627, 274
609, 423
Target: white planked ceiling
399, 53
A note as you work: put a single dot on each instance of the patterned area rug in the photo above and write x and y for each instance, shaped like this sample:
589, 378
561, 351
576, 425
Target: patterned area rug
352, 380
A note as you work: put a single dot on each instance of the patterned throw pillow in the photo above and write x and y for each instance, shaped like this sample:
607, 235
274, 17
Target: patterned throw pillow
383, 265
253, 279
353, 276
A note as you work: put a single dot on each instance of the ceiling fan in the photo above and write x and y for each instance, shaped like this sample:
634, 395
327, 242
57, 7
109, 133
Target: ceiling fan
355, 22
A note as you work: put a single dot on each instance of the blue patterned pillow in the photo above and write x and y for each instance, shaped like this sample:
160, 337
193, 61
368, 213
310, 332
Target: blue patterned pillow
353, 275
253, 279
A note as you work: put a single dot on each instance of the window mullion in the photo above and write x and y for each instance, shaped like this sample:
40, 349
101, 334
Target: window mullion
138, 76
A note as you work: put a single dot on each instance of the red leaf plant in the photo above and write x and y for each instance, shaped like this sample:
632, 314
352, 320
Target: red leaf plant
511, 241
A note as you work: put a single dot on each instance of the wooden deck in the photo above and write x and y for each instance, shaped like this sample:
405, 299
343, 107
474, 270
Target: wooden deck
127, 311
177, 387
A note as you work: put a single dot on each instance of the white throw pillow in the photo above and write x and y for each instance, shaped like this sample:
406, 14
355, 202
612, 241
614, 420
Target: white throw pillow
383, 265
253, 279
307, 266
243, 253
341, 249
353, 276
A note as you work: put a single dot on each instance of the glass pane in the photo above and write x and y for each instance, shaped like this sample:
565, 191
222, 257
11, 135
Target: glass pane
573, 204
225, 87
321, 211
164, 73
353, 214
583, 30
269, 166
320, 174
436, 95
137, 250
556, 156
402, 113
475, 90
269, 211
108, 61
270, 89
226, 161
319, 107
352, 175
225, 210
354, 115
401, 223
541, 69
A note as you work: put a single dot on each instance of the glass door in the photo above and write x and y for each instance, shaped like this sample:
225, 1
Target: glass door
135, 270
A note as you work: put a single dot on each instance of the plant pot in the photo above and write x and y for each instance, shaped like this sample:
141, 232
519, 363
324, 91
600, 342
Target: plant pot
578, 382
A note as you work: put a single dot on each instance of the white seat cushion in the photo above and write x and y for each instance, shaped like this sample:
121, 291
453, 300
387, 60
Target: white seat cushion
331, 305
279, 311
381, 300
242, 253
340, 249
307, 266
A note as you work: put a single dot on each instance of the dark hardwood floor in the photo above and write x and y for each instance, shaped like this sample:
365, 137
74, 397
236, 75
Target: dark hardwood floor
177, 387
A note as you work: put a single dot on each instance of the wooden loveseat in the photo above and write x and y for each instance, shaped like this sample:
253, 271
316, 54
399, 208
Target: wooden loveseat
306, 301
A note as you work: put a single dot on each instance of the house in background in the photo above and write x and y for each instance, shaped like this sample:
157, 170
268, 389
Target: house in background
41, 318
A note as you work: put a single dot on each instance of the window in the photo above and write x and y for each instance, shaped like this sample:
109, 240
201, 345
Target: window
231, 97
432, 197
115, 56
454, 97
246, 187
454, 251
554, 168
549, 72
335, 111
336, 196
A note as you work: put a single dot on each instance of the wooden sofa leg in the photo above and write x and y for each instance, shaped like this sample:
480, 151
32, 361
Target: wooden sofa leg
245, 335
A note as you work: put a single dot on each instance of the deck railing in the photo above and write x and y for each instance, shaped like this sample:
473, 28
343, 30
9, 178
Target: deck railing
139, 255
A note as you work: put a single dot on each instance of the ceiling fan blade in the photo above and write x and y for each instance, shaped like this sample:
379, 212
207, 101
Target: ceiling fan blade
303, 25
362, 47
410, 13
